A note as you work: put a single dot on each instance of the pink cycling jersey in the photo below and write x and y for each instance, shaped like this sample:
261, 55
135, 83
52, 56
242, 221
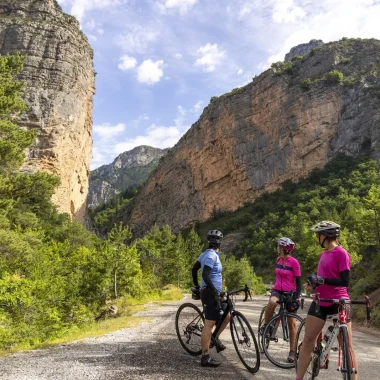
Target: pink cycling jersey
286, 272
331, 263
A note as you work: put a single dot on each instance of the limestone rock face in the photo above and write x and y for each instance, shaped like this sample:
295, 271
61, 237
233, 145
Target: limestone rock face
302, 49
59, 86
129, 169
271, 130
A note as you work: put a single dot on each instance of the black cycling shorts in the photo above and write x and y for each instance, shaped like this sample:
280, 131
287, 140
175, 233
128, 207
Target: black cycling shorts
210, 306
324, 311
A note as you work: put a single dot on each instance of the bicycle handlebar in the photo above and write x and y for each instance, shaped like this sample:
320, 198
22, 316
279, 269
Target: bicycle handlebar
246, 290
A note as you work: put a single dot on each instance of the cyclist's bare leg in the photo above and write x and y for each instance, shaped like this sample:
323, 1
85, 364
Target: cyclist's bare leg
292, 333
269, 311
313, 326
206, 336
349, 328
223, 326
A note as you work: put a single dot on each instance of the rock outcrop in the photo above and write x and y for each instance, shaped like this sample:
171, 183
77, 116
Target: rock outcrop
302, 49
129, 169
59, 86
279, 127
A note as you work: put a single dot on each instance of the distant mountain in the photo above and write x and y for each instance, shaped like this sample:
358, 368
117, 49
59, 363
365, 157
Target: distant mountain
129, 169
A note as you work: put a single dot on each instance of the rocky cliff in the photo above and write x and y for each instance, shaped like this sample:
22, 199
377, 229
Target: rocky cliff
129, 169
289, 120
59, 86
302, 49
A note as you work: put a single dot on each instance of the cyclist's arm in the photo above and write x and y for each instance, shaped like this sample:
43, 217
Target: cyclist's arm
194, 272
298, 287
206, 277
344, 279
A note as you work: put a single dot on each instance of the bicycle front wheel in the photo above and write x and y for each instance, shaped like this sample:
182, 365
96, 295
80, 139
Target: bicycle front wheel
312, 370
189, 322
245, 342
279, 338
346, 367
261, 324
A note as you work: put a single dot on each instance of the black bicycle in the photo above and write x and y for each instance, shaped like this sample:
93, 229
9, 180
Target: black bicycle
278, 337
189, 323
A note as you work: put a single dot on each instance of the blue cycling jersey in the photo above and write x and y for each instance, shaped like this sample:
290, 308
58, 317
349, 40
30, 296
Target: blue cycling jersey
211, 258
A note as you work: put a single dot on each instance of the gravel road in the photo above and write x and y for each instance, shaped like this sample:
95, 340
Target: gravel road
152, 351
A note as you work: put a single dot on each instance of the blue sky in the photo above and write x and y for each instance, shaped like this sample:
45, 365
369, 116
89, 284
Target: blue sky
159, 62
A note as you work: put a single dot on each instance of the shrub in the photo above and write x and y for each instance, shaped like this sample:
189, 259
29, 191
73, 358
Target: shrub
306, 83
213, 99
334, 77
282, 68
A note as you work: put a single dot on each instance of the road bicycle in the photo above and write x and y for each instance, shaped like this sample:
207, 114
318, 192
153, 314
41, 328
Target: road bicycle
189, 323
321, 351
278, 337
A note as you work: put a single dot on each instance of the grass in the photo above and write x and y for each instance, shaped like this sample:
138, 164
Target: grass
127, 306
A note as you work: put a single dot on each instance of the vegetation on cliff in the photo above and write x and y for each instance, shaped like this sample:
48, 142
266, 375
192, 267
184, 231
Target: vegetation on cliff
55, 276
347, 191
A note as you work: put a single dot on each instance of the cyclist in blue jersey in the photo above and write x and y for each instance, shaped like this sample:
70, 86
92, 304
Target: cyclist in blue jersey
211, 269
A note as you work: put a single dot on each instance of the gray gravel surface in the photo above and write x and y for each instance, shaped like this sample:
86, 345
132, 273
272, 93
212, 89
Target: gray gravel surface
152, 351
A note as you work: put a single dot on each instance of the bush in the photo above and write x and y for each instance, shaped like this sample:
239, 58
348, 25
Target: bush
213, 99
282, 68
334, 77
306, 83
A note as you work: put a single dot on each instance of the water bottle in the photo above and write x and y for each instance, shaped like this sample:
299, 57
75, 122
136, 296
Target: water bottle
328, 333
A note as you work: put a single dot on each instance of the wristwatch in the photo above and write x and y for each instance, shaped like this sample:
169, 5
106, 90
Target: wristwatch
320, 280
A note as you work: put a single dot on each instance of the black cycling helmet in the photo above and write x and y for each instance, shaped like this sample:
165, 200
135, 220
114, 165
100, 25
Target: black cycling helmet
327, 228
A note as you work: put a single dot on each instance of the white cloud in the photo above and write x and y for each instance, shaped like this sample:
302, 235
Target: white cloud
107, 131
210, 57
92, 38
80, 7
197, 107
101, 31
150, 72
240, 71
91, 25
178, 55
183, 6
136, 39
286, 11
127, 63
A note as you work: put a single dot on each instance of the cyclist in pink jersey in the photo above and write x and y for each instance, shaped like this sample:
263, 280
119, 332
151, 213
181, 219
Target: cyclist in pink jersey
288, 278
331, 281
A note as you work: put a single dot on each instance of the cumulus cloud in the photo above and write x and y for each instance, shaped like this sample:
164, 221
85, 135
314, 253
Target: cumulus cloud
108, 131
127, 63
178, 55
240, 71
136, 39
150, 72
210, 56
183, 6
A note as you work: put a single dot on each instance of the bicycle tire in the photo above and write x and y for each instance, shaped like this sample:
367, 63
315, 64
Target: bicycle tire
259, 335
237, 322
268, 344
346, 367
187, 330
312, 370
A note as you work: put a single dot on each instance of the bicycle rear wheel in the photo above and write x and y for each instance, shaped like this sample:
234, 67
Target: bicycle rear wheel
261, 323
278, 339
346, 366
189, 322
312, 370
245, 342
